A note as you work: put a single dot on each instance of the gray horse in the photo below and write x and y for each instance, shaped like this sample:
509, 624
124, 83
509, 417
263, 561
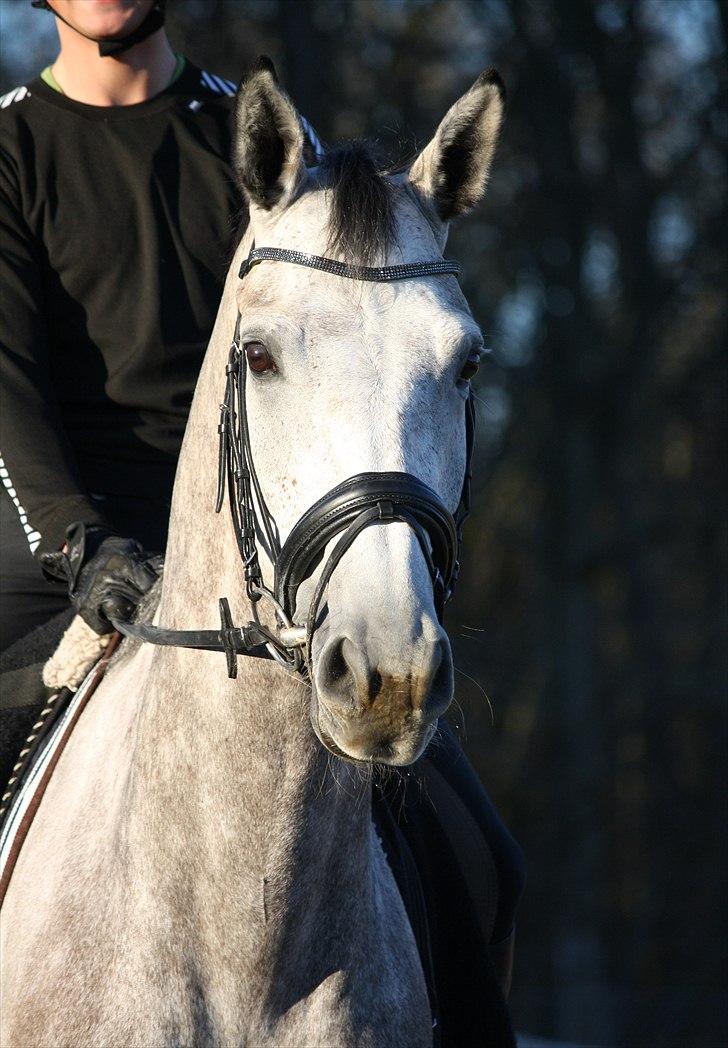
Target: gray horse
201, 871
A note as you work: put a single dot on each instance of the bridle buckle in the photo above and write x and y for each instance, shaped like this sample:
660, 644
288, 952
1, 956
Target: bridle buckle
226, 636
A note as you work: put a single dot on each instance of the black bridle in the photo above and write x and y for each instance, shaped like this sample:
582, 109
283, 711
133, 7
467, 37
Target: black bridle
345, 511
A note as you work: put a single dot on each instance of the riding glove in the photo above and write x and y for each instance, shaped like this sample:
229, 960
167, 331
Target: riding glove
107, 575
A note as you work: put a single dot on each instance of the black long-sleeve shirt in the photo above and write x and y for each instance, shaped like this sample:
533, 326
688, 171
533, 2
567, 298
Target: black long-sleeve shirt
115, 226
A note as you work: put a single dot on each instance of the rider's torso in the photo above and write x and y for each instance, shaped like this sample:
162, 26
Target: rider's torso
131, 210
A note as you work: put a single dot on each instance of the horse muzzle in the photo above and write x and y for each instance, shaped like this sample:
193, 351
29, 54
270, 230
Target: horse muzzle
375, 702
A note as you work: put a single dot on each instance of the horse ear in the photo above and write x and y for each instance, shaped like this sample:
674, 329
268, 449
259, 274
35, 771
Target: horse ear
452, 171
268, 140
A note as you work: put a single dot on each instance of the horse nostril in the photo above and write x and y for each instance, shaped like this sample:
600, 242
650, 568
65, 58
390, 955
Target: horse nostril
334, 664
336, 678
435, 692
344, 676
375, 684
347, 680
442, 678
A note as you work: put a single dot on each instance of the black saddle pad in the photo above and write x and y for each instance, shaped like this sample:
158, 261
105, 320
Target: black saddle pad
442, 862
36, 646
22, 693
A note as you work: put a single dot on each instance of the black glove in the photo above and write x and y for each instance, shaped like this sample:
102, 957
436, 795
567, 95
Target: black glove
106, 574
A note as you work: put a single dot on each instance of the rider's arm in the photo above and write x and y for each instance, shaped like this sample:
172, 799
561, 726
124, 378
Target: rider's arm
38, 466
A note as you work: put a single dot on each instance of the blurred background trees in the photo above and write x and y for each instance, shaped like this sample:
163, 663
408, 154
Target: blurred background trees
589, 627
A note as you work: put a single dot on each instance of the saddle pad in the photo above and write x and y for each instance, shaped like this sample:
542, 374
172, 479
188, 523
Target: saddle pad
26, 800
404, 870
453, 864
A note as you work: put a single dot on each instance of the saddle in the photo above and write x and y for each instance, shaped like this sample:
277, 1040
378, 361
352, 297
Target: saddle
439, 858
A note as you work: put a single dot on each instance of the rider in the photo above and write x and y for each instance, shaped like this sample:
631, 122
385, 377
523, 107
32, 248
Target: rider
117, 202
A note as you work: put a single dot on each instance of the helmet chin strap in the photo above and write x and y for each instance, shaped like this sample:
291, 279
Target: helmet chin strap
115, 45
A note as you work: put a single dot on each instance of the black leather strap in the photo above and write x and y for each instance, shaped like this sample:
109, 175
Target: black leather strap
249, 639
338, 508
153, 21
379, 274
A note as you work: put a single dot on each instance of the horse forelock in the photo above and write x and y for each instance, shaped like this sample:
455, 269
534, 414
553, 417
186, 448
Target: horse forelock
361, 225
362, 221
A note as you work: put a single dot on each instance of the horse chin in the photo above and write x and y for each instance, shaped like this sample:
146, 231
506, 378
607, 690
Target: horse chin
360, 746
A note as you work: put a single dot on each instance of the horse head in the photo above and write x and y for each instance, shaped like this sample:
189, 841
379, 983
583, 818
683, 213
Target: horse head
361, 377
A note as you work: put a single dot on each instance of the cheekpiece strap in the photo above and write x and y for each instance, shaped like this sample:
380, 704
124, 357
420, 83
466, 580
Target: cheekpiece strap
382, 274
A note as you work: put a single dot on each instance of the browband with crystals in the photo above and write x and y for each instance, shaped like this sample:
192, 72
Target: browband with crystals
341, 269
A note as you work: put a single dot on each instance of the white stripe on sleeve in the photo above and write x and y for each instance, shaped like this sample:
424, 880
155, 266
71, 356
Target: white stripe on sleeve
224, 86
209, 83
31, 534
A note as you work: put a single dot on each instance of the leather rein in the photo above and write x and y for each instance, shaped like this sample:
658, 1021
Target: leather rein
361, 501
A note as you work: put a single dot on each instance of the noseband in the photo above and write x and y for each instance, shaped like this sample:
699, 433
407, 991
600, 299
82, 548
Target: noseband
343, 513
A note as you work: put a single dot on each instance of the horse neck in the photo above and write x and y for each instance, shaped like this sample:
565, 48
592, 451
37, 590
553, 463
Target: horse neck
236, 761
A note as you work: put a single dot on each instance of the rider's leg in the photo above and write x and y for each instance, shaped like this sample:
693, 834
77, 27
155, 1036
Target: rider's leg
27, 604
455, 855
26, 599
448, 757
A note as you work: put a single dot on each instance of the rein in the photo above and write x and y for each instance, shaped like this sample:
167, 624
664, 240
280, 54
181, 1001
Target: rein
361, 501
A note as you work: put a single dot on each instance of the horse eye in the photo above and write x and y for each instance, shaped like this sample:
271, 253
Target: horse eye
258, 357
471, 366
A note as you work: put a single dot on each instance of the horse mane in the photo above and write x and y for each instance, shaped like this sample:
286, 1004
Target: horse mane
362, 221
